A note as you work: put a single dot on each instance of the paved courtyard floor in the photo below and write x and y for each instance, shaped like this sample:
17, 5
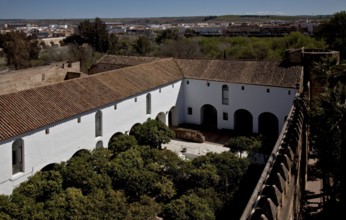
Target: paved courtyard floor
190, 149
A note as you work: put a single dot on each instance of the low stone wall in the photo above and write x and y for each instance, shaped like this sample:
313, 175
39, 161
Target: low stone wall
189, 135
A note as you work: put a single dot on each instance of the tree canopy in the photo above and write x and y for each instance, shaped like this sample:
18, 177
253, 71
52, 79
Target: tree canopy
334, 32
19, 49
328, 129
153, 133
132, 182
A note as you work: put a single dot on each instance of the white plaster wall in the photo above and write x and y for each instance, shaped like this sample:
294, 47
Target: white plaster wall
129, 112
254, 99
69, 136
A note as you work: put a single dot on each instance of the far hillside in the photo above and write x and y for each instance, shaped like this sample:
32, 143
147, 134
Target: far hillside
174, 20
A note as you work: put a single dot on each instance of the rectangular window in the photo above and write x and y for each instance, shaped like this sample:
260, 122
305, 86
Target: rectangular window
189, 111
187, 82
208, 84
17, 156
148, 103
98, 124
243, 87
79, 119
136, 99
173, 85
268, 90
47, 130
225, 116
115, 106
160, 90
225, 95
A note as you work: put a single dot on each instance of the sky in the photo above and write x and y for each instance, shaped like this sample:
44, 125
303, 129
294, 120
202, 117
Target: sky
65, 9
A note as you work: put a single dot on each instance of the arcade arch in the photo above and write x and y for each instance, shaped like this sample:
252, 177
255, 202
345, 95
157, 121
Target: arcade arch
172, 117
268, 126
208, 117
161, 117
243, 122
113, 137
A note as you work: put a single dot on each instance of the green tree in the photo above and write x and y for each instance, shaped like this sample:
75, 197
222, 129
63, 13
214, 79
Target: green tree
204, 176
153, 133
334, 32
188, 207
166, 34
19, 49
242, 143
164, 190
229, 181
145, 208
329, 135
142, 45
41, 186
121, 143
79, 172
180, 48
113, 44
6, 207
95, 33
106, 204
328, 127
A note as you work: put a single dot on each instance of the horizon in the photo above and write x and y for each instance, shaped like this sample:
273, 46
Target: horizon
118, 9
90, 18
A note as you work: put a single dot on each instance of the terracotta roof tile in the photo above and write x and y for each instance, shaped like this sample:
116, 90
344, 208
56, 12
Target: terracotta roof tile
27, 110
245, 72
30, 109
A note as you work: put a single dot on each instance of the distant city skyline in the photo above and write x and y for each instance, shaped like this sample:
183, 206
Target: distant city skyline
69, 9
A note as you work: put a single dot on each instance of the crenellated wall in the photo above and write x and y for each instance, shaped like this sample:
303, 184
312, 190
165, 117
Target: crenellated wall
278, 192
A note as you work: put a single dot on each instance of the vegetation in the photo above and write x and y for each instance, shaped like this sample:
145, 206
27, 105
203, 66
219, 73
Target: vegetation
328, 129
244, 144
328, 114
19, 49
334, 32
93, 40
153, 133
132, 182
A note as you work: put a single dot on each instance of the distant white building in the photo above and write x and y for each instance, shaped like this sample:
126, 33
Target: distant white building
49, 124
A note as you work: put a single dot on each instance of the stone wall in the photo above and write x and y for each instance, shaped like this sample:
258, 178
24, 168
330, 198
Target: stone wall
14, 81
278, 192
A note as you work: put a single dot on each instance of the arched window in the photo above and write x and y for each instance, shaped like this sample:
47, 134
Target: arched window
17, 156
148, 103
99, 144
225, 95
98, 124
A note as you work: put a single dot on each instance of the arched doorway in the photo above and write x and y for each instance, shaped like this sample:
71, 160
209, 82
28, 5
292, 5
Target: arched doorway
99, 144
243, 122
113, 137
268, 127
161, 117
49, 167
135, 125
209, 117
81, 152
172, 114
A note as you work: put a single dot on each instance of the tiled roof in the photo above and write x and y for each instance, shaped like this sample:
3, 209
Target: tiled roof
246, 72
34, 108
27, 110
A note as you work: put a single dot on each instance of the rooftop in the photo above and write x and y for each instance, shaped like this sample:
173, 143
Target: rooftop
27, 110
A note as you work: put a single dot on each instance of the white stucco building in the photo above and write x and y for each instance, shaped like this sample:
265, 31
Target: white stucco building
49, 124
